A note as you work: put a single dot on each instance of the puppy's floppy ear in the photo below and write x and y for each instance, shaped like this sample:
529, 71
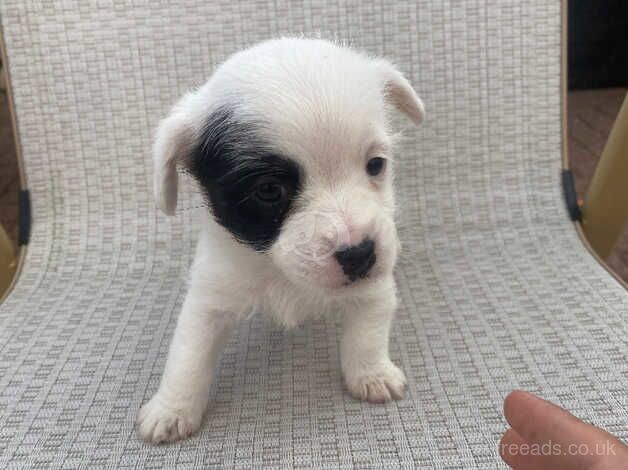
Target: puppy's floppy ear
173, 141
399, 92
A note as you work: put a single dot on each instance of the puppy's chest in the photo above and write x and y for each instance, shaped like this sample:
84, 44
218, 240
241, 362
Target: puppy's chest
290, 307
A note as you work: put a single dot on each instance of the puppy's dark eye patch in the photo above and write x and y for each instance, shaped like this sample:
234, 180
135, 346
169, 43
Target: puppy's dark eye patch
249, 187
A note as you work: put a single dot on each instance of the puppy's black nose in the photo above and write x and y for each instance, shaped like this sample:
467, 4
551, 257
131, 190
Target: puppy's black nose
357, 260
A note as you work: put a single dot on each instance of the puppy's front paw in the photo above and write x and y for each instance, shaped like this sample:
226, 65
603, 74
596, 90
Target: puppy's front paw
377, 384
159, 421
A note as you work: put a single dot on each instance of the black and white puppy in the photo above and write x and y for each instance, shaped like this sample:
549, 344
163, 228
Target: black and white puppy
290, 142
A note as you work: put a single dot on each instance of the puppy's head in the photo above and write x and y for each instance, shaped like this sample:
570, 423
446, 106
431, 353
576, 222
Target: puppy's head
290, 142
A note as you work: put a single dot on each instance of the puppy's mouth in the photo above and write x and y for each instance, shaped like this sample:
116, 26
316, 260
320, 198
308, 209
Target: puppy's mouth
349, 283
358, 283
341, 284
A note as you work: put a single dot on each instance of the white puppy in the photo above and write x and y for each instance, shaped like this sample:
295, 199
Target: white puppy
290, 142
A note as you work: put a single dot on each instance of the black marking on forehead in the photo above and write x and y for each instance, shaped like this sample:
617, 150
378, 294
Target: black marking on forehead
230, 161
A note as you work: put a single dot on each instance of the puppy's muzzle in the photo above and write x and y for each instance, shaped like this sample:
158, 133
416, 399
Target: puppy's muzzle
356, 261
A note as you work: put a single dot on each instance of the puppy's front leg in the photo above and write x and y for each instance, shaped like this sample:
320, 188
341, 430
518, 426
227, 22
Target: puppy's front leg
176, 410
368, 371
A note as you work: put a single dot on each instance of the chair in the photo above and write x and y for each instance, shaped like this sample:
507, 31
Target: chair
497, 290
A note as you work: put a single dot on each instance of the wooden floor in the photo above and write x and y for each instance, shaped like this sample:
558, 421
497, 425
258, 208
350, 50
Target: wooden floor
9, 180
590, 117
591, 114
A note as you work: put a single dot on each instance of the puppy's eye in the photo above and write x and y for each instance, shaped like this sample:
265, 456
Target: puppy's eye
269, 191
375, 166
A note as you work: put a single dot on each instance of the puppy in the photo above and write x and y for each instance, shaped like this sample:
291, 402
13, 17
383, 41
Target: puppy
291, 145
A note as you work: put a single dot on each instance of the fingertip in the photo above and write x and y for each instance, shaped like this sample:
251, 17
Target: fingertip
512, 403
508, 438
538, 421
518, 453
510, 446
517, 395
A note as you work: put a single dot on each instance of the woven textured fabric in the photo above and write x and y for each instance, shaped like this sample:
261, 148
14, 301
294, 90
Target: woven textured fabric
496, 289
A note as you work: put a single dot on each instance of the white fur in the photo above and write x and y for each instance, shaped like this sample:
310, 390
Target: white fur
326, 107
